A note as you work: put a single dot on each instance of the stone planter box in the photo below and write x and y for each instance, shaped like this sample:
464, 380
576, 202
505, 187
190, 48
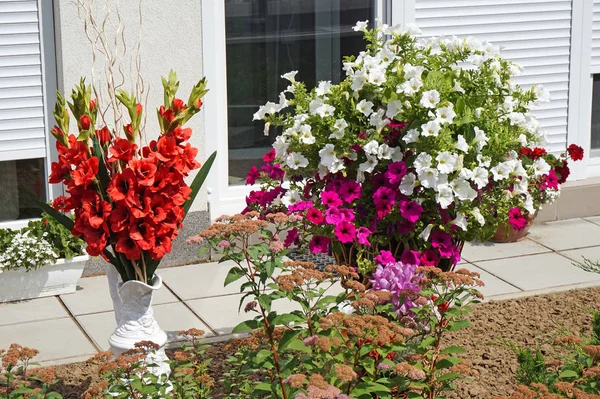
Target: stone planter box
57, 279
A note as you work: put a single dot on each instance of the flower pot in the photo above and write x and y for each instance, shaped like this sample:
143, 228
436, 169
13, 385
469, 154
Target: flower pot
502, 236
136, 321
49, 280
113, 287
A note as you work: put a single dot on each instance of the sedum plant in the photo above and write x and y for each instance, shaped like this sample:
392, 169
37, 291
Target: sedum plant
17, 382
341, 338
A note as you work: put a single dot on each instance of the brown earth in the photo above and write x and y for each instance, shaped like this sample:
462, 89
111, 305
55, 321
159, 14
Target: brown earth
527, 322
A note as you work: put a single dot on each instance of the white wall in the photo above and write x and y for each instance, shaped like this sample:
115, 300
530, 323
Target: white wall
171, 39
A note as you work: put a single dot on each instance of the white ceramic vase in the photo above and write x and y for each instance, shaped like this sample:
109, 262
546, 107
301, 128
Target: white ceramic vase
135, 318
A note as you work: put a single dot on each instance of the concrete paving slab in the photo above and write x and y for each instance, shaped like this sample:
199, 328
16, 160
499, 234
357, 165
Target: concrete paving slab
566, 234
200, 281
48, 308
493, 285
475, 251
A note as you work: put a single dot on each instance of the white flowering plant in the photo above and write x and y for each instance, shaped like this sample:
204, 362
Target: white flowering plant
415, 152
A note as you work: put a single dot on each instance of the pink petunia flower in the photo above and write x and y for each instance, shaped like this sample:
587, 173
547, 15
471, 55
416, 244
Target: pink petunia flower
411, 257
385, 258
516, 219
350, 191
429, 258
291, 238
315, 216
411, 210
345, 232
362, 235
331, 199
395, 172
319, 245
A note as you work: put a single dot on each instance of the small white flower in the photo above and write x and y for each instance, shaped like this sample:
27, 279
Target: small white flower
446, 162
408, 184
291, 76
541, 167
340, 126
281, 146
528, 205
325, 110
358, 80
411, 86
426, 232
361, 26
423, 161
365, 107
305, 135
501, 171
523, 140
377, 120
385, 152
411, 71
541, 93
393, 109
478, 112
461, 144
376, 76
444, 196
484, 160
430, 99
323, 88
328, 155
480, 177
411, 136
368, 165
478, 216
480, 139
457, 87
431, 128
295, 160
463, 190
291, 197
371, 148
460, 221
445, 115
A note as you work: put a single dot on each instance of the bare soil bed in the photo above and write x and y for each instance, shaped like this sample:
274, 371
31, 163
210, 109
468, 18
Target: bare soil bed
528, 321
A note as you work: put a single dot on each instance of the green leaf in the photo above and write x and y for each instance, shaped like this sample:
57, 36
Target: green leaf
287, 338
448, 362
286, 319
245, 326
56, 215
199, 181
459, 324
568, 374
235, 273
448, 377
102, 172
453, 350
265, 301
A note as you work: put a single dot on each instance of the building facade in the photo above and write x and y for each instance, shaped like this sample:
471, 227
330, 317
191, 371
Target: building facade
243, 46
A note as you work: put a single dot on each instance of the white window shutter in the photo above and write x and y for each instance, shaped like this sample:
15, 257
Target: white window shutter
533, 33
596, 36
22, 130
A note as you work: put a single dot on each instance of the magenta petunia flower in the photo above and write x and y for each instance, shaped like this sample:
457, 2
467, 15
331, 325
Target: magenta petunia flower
276, 173
411, 257
300, 206
252, 176
319, 245
411, 210
442, 242
345, 232
333, 216
516, 219
347, 214
315, 216
384, 258
362, 234
385, 195
395, 172
405, 227
350, 191
269, 156
331, 199
429, 258
291, 238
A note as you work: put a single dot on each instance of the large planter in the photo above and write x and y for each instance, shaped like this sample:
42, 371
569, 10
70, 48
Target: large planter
135, 320
502, 236
49, 280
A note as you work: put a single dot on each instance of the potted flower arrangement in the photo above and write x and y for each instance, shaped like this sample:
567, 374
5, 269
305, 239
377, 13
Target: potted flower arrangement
128, 200
41, 259
548, 172
415, 152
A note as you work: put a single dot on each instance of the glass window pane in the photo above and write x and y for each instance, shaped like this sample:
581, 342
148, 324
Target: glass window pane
596, 118
20, 180
267, 38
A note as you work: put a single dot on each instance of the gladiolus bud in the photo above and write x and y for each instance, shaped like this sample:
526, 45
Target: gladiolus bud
103, 135
198, 103
92, 105
138, 108
85, 122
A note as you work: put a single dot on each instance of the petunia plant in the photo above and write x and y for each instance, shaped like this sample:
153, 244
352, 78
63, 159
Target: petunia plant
128, 199
415, 152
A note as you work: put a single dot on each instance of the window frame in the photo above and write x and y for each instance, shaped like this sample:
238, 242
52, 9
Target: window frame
222, 197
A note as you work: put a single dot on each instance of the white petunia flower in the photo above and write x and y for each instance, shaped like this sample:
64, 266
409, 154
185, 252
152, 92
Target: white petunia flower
361, 26
463, 190
445, 115
358, 80
323, 88
430, 99
365, 107
457, 87
371, 148
528, 205
541, 167
393, 109
314, 105
460, 221
446, 162
325, 110
478, 216
368, 165
305, 135
523, 140
501, 171
291, 76
480, 139
411, 136
542, 94
328, 155
340, 126
461, 144
429, 178
484, 160
480, 177
423, 161
385, 151
281, 146
408, 184
444, 196
295, 160
410, 87
377, 120
376, 76
431, 128
411, 71
291, 197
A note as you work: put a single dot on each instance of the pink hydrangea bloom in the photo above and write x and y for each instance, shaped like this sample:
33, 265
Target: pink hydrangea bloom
397, 278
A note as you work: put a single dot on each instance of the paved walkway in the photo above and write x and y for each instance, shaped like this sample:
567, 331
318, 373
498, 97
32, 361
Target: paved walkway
70, 328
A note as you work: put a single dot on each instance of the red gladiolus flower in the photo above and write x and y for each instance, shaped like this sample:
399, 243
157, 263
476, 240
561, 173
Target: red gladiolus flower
119, 219
162, 245
575, 152
141, 208
85, 122
92, 105
96, 240
166, 113
129, 247
86, 172
128, 130
178, 105
143, 234
94, 210
181, 134
60, 170
187, 161
59, 203
167, 149
122, 187
145, 170
104, 135
122, 150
